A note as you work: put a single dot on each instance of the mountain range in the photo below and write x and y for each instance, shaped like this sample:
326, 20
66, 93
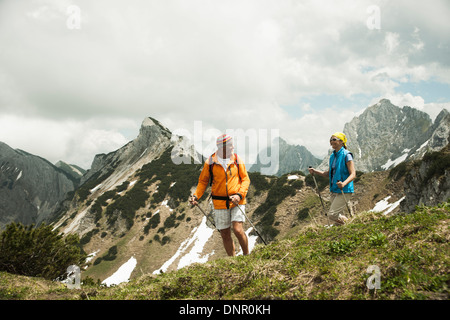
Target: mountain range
31, 188
385, 135
290, 158
131, 205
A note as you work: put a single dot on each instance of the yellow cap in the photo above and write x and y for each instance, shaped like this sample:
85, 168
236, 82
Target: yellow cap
341, 136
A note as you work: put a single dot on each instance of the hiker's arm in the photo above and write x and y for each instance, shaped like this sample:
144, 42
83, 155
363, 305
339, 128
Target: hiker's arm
203, 181
320, 173
245, 180
352, 171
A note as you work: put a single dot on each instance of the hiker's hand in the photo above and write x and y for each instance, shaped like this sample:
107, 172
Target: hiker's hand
311, 170
235, 199
340, 184
193, 200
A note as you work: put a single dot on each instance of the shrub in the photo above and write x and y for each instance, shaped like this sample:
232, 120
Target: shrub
84, 190
302, 213
111, 254
165, 240
322, 182
128, 204
152, 223
398, 171
259, 182
378, 239
341, 247
167, 172
298, 184
38, 251
440, 162
87, 237
277, 193
170, 221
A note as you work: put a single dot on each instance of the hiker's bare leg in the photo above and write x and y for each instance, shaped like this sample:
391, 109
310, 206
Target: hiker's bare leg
228, 241
241, 236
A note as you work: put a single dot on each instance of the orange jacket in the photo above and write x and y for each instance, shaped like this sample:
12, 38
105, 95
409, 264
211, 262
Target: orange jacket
224, 184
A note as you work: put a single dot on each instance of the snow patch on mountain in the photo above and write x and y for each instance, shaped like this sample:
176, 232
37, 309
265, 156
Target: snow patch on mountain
95, 188
392, 163
122, 274
386, 207
91, 256
200, 235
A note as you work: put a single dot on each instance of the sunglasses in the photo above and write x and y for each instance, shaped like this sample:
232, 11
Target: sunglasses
334, 139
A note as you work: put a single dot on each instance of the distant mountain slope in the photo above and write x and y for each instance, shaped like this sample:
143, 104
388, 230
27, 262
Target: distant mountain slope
73, 170
385, 135
31, 188
290, 158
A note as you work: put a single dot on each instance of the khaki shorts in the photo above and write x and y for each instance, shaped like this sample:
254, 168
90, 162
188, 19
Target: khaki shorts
338, 210
223, 218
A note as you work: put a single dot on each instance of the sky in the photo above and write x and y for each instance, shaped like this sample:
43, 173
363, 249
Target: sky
78, 77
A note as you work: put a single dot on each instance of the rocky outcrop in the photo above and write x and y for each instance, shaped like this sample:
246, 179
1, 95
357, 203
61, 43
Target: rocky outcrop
31, 188
152, 140
441, 131
428, 181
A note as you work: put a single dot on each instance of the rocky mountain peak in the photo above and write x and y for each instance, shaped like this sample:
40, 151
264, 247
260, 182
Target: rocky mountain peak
152, 125
441, 131
152, 140
148, 122
287, 158
385, 135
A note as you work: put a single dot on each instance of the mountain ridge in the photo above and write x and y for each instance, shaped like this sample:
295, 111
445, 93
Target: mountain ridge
31, 187
291, 158
133, 201
385, 135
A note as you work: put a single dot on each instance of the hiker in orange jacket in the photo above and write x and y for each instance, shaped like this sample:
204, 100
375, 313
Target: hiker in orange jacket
229, 187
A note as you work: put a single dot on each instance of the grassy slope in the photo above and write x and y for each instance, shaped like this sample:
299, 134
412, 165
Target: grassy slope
411, 251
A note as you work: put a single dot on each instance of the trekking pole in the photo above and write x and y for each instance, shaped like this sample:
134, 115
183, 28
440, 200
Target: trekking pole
320, 197
207, 217
346, 203
252, 225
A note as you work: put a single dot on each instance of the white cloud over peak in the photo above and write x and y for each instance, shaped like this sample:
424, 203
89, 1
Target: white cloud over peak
231, 64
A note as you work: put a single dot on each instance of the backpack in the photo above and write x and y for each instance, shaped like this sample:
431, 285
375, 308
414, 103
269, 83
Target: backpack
211, 163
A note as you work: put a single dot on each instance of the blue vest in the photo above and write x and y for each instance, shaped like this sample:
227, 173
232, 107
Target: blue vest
341, 172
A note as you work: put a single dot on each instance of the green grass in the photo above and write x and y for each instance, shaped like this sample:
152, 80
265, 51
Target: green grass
411, 251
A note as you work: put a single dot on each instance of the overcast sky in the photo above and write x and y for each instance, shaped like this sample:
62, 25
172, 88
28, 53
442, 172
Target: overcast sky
78, 77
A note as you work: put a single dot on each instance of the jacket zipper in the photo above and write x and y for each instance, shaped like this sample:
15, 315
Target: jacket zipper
226, 186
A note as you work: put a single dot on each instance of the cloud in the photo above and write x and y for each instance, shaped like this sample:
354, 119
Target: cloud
152, 55
391, 41
229, 64
314, 129
401, 100
75, 142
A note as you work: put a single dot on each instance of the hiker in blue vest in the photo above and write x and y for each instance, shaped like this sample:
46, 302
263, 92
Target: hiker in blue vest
341, 173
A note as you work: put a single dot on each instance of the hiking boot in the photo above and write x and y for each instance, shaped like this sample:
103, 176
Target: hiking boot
341, 220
